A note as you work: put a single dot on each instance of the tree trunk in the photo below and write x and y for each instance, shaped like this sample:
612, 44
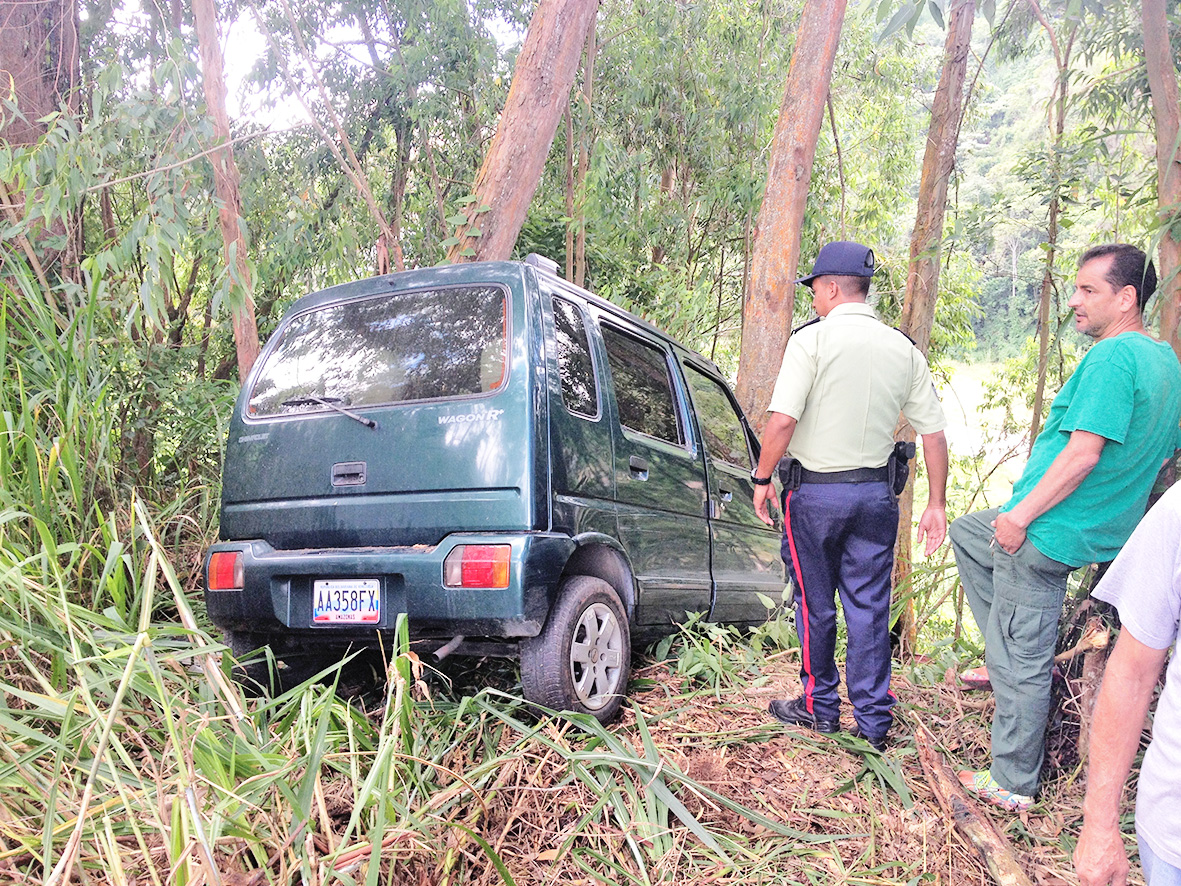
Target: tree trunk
39, 58
922, 278
570, 223
585, 137
770, 297
1162, 79
512, 169
226, 182
39, 72
1043, 320
1060, 98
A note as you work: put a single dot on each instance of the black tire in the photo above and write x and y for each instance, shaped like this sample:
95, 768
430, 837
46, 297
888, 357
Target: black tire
581, 660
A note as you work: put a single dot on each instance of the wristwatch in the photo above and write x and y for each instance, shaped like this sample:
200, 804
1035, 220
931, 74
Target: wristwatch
759, 481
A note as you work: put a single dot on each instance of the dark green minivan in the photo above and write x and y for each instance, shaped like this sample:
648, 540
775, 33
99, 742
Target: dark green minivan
520, 467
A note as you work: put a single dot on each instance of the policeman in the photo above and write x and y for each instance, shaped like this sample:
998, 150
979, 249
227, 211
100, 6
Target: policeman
845, 378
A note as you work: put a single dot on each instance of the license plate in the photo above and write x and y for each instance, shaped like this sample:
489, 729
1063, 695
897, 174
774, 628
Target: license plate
346, 601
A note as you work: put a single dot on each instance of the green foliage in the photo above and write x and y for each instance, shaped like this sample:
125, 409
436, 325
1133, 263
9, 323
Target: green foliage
1012, 390
723, 656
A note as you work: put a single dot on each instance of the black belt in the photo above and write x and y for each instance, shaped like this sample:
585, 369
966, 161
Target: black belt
857, 475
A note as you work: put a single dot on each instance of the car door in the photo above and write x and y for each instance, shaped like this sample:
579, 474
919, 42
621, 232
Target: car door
660, 485
745, 552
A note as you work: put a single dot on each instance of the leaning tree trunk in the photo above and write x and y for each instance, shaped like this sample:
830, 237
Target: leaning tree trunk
512, 169
770, 296
1162, 79
926, 239
226, 181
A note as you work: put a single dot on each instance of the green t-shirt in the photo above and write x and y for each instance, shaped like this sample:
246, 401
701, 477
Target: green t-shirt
1127, 389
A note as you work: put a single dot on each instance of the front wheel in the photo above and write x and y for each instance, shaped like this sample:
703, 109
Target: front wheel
582, 658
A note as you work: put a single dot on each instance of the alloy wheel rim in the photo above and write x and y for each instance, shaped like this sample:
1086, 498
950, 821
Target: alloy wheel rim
596, 656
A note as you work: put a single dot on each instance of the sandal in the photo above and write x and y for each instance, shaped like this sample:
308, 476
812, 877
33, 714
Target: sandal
975, 678
983, 785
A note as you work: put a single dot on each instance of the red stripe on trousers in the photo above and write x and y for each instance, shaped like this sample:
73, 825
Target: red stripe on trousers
810, 685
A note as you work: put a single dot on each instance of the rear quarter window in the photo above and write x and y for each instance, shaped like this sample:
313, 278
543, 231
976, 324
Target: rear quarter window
424, 345
580, 390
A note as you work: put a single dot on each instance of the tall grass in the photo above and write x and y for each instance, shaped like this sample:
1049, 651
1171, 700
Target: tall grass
127, 756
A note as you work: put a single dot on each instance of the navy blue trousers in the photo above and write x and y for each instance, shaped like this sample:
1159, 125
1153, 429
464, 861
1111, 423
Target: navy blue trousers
839, 538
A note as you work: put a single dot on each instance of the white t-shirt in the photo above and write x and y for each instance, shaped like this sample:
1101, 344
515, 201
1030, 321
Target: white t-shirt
1144, 583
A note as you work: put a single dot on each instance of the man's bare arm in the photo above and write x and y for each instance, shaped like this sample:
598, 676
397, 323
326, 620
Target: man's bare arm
1126, 692
776, 437
1061, 478
933, 523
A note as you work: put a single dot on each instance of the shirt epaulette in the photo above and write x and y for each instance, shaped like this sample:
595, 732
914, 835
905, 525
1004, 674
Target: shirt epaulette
806, 325
908, 338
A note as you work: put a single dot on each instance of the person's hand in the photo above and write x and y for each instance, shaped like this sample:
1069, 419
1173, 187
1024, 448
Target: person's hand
933, 527
763, 494
1008, 533
1100, 858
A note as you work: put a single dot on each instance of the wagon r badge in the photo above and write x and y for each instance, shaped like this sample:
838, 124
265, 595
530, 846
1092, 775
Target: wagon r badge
462, 418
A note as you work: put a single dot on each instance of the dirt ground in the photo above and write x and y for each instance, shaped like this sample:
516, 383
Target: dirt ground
800, 777
820, 786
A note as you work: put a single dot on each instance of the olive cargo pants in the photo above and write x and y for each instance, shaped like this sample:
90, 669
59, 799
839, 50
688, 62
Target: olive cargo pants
1017, 602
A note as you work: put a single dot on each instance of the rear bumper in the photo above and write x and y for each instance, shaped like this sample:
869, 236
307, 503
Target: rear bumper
277, 597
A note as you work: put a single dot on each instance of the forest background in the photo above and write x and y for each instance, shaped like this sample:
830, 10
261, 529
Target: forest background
121, 288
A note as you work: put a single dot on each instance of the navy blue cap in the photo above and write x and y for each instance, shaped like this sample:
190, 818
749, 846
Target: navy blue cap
843, 258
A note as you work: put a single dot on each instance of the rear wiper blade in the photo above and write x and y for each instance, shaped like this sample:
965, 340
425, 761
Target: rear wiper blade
331, 403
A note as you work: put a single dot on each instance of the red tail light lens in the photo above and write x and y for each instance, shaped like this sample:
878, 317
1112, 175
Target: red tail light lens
477, 566
226, 572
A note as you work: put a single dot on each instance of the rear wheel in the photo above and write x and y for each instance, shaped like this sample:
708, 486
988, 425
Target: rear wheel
582, 658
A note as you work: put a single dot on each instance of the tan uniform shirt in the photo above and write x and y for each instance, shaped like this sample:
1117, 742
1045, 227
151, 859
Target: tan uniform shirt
844, 379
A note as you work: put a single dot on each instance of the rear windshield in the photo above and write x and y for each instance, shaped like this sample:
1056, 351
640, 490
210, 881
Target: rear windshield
423, 345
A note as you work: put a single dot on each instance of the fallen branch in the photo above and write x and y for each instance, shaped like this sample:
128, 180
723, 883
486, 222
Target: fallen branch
980, 832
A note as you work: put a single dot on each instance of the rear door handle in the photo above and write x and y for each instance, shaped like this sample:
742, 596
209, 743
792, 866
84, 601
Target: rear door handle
726, 494
348, 473
639, 467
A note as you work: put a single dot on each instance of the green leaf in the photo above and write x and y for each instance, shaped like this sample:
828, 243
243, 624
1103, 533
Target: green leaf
936, 13
457, 219
898, 21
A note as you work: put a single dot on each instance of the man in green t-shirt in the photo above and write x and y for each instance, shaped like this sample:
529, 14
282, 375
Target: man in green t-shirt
1084, 488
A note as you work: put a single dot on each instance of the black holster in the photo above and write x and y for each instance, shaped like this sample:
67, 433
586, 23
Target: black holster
791, 473
899, 465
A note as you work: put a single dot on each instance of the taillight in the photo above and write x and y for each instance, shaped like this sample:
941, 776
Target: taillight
226, 572
477, 566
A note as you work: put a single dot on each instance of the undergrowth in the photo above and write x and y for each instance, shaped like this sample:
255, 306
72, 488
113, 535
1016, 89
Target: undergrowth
128, 756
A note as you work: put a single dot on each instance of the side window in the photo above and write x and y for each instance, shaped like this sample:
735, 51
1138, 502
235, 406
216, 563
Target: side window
580, 391
643, 387
725, 438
